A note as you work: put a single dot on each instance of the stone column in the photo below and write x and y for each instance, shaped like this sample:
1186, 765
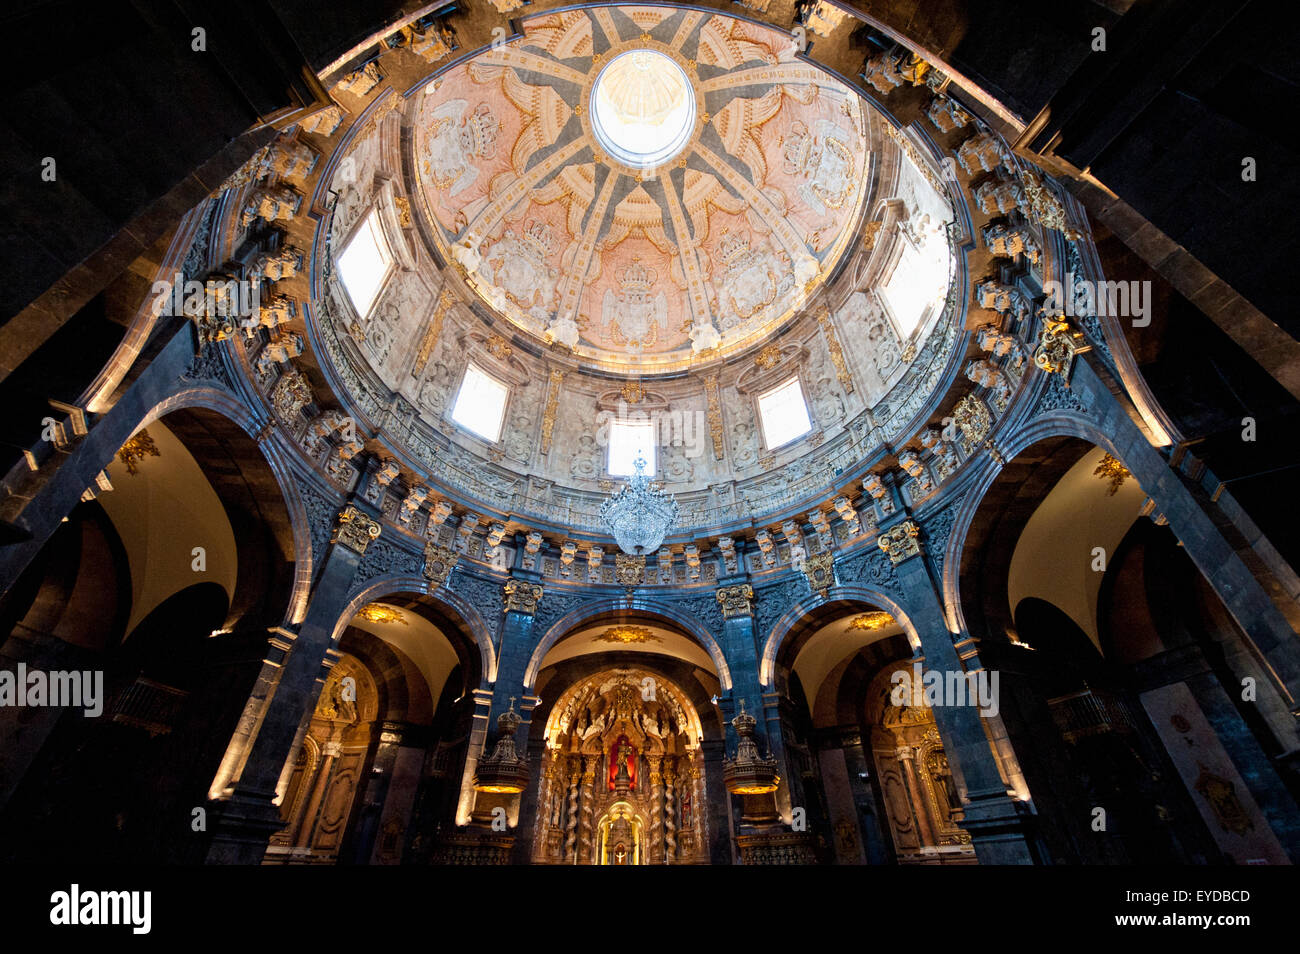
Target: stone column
994, 819
655, 848
39, 501
246, 820
1272, 635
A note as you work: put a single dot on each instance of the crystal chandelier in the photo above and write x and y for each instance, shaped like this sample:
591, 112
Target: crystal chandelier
638, 516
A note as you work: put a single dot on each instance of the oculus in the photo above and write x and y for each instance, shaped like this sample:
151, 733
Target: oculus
642, 108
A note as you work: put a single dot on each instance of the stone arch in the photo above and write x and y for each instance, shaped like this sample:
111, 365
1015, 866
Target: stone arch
836, 594
457, 609
1059, 426
596, 609
218, 417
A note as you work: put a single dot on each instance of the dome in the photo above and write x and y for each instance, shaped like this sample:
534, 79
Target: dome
638, 218
642, 198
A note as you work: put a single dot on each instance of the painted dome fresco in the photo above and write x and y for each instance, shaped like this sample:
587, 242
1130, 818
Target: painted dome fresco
642, 184
635, 215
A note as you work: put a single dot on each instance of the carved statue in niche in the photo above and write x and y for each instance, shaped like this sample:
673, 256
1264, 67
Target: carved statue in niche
519, 443
945, 789
622, 754
584, 464
436, 388
883, 343
703, 335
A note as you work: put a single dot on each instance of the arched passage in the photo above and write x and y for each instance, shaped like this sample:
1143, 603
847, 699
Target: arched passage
378, 769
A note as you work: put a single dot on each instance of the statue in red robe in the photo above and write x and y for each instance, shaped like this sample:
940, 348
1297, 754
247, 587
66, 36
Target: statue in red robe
622, 752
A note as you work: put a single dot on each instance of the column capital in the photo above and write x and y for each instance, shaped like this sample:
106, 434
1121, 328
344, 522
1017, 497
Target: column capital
1058, 345
354, 529
901, 541
736, 600
522, 596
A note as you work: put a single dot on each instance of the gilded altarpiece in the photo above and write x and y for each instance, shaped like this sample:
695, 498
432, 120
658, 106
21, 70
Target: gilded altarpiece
622, 777
328, 769
922, 801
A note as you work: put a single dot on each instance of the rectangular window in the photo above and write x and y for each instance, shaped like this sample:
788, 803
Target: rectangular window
626, 440
784, 414
364, 264
480, 404
913, 286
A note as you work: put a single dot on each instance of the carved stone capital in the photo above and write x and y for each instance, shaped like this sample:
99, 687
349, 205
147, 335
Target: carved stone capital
522, 596
438, 564
354, 529
900, 542
736, 600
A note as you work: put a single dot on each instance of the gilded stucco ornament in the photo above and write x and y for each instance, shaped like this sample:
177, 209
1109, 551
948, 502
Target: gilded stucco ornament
1058, 345
439, 561
819, 569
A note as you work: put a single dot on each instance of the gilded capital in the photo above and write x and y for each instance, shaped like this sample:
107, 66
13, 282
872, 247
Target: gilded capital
354, 529
901, 542
736, 600
522, 596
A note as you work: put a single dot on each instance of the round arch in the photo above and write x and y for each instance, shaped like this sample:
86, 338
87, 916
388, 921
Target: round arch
836, 594
1059, 425
235, 421
455, 606
593, 611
